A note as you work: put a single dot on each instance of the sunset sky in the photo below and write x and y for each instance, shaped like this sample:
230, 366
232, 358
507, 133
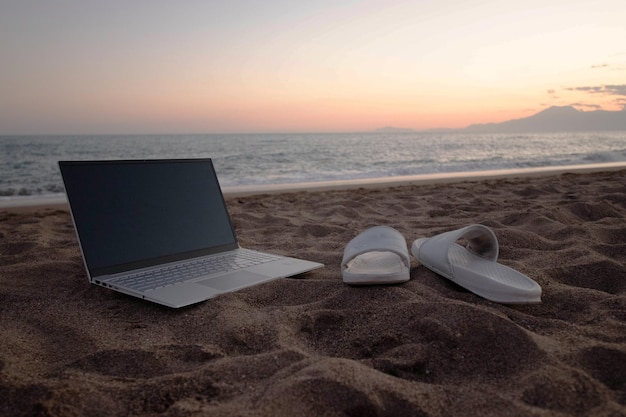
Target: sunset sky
199, 66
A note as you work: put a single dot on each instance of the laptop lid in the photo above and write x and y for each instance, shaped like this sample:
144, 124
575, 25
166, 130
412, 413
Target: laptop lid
135, 214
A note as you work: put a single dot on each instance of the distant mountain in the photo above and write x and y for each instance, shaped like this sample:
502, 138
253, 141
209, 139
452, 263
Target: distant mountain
391, 129
557, 119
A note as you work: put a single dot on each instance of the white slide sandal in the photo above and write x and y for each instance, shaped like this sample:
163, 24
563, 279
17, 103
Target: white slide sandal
378, 255
474, 267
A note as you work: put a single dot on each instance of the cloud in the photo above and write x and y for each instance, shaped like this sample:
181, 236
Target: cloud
613, 95
609, 90
614, 62
587, 106
620, 102
616, 90
553, 94
586, 89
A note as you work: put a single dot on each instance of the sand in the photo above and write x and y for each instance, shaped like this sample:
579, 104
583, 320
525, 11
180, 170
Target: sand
313, 346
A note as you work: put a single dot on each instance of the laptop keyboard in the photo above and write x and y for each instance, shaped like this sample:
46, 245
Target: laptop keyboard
169, 275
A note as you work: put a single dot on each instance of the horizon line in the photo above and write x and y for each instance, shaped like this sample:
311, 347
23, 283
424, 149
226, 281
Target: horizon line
374, 130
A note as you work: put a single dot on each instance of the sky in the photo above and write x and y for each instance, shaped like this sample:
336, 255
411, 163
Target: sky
272, 66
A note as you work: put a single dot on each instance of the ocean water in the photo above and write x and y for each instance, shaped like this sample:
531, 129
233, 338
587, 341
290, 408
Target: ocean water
28, 164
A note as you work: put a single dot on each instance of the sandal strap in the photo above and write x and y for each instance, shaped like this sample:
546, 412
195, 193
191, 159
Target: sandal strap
481, 241
377, 239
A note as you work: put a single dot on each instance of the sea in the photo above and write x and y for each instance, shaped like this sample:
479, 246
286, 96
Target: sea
28, 164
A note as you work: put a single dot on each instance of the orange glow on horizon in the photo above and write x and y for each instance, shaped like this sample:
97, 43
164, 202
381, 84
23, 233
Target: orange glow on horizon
302, 67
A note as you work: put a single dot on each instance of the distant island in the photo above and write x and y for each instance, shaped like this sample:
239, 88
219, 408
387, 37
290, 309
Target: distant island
557, 119
391, 129
552, 119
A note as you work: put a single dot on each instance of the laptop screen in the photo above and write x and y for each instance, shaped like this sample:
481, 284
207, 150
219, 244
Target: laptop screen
132, 214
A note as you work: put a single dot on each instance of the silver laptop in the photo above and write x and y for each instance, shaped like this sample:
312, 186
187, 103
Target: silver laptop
160, 230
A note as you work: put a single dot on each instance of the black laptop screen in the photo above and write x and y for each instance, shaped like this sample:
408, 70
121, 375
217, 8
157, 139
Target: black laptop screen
130, 214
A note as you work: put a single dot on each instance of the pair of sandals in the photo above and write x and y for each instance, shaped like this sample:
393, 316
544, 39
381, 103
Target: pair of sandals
379, 255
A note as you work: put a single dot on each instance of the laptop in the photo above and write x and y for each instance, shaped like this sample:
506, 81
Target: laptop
160, 230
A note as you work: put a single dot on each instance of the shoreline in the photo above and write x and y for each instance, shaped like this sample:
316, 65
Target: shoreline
60, 201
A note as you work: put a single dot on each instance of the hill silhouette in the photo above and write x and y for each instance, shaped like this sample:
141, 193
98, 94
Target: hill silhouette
557, 119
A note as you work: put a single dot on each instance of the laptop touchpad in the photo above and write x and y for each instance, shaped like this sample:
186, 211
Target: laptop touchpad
234, 280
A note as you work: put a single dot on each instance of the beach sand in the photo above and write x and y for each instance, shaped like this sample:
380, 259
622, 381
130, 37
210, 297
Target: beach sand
313, 346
